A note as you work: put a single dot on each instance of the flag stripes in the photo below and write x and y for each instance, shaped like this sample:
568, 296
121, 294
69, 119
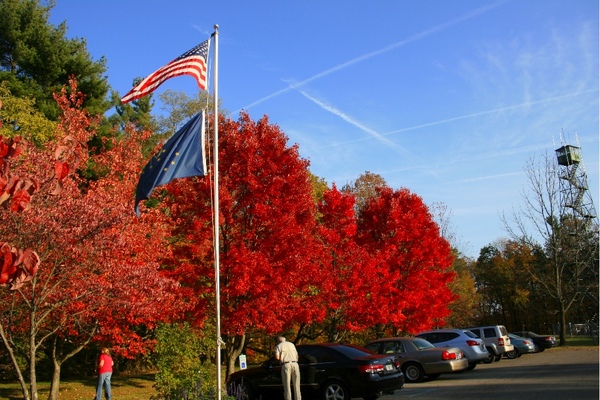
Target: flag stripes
193, 63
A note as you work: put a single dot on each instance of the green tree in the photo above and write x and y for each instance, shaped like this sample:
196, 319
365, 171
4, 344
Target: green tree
179, 108
19, 117
137, 112
183, 357
36, 58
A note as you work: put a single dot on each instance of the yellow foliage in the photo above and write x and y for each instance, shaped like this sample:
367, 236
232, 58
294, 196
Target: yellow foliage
19, 117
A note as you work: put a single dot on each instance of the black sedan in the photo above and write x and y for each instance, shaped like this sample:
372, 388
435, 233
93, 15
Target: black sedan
540, 342
330, 371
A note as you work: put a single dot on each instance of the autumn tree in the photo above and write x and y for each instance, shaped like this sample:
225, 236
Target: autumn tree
352, 282
365, 187
18, 265
464, 309
504, 285
268, 251
414, 261
99, 279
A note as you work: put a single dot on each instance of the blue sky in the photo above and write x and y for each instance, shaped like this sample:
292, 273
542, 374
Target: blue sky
449, 99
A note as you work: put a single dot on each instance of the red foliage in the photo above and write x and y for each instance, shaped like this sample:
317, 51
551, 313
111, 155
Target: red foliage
100, 273
279, 267
413, 260
268, 249
352, 285
17, 266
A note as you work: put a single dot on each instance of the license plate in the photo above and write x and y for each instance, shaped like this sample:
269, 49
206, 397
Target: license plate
389, 367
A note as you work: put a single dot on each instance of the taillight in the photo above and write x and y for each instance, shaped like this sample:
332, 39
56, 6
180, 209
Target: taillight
371, 369
500, 341
473, 343
526, 342
446, 355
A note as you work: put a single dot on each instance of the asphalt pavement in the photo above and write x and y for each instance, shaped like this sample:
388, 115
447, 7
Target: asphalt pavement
557, 374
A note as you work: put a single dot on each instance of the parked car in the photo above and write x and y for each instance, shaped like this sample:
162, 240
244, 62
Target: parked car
472, 347
327, 372
419, 358
522, 346
496, 340
541, 342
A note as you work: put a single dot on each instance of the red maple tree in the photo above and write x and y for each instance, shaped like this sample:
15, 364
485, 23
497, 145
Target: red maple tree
99, 277
413, 259
268, 247
353, 283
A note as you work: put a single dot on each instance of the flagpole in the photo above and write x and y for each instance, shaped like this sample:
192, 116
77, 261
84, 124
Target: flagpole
216, 206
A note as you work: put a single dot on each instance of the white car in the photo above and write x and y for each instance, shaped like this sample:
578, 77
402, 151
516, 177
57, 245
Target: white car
471, 345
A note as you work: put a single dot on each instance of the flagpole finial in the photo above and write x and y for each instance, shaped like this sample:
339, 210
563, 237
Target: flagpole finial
216, 27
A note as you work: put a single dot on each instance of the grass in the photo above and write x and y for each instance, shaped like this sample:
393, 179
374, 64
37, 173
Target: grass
137, 387
580, 341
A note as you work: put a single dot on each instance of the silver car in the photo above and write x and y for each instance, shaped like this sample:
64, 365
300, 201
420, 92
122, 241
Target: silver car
471, 345
522, 346
419, 358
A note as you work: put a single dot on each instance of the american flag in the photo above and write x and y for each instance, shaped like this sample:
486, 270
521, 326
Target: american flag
192, 62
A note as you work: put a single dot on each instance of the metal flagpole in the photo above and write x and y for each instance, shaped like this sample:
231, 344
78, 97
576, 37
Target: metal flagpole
216, 205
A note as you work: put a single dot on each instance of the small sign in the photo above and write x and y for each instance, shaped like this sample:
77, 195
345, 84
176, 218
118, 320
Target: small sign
243, 361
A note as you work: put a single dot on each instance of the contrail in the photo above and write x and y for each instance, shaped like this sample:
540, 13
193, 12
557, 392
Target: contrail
372, 54
350, 120
473, 115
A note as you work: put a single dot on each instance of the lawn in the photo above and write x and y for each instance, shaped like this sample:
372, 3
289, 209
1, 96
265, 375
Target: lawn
137, 387
577, 341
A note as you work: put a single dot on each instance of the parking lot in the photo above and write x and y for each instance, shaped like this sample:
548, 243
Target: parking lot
557, 374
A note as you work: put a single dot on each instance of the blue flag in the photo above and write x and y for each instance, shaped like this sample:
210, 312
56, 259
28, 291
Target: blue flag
182, 156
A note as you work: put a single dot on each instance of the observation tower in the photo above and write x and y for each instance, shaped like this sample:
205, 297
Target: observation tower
573, 184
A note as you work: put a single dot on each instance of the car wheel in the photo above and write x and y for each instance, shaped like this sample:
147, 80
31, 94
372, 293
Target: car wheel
489, 359
512, 354
413, 372
334, 390
542, 348
536, 348
471, 367
498, 357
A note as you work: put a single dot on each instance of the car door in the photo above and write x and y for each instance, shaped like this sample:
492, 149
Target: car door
270, 381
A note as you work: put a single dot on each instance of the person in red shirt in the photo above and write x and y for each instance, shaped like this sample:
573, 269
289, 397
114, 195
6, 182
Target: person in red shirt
105, 369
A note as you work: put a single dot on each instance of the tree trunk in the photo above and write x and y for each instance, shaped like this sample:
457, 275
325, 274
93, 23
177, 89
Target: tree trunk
32, 359
58, 358
55, 384
15, 363
563, 324
235, 346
